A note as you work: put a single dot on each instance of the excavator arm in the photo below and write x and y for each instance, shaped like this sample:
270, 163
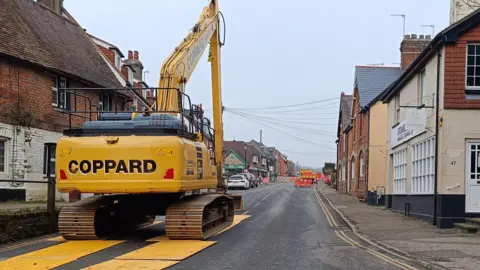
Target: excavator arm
179, 66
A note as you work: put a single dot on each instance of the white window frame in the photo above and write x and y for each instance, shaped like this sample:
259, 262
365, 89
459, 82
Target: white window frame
344, 173
264, 161
48, 158
400, 171
55, 91
352, 172
421, 87
474, 66
423, 166
6, 142
130, 75
397, 108
101, 101
118, 60
361, 163
255, 159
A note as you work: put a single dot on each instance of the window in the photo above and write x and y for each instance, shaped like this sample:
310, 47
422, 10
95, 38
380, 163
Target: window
106, 102
344, 142
361, 165
344, 173
473, 66
118, 60
264, 161
421, 87
49, 159
361, 125
60, 98
352, 174
130, 76
3, 155
255, 159
397, 109
423, 162
400, 172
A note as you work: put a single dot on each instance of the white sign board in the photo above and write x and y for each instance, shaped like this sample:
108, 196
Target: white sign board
402, 133
416, 119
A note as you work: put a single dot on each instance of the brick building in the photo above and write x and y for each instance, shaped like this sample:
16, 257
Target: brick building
355, 131
43, 51
434, 135
256, 162
344, 123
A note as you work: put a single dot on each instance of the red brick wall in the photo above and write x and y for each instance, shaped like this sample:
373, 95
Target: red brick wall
109, 54
31, 88
360, 126
455, 63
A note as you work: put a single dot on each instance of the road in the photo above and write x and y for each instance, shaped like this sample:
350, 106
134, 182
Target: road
287, 228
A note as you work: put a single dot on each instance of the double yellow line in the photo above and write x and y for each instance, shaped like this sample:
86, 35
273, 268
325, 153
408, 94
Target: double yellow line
352, 242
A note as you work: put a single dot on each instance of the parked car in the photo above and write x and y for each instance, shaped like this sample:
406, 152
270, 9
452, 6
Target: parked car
251, 178
238, 181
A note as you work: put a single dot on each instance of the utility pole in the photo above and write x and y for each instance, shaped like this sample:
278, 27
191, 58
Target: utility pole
404, 20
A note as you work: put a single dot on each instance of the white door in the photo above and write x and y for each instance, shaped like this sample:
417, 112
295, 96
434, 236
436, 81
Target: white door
472, 190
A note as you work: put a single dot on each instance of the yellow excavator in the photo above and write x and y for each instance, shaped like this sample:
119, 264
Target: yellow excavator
165, 161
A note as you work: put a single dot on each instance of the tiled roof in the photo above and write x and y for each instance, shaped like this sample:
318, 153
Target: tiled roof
346, 109
372, 81
31, 32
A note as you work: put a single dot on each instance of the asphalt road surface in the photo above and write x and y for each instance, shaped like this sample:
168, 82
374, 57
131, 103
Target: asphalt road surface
288, 228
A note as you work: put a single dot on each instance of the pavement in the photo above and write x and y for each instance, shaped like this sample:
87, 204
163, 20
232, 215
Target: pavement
421, 242
282, 227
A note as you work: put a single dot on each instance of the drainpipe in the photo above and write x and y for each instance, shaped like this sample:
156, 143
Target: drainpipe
368, 152
437, 110
347, 180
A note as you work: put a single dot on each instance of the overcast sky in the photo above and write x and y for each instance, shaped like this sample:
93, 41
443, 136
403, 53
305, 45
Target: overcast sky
277, 53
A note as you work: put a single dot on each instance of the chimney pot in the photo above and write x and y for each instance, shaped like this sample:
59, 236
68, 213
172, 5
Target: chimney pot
428, 37
422, 37
406, 37
414, 36
135, 55
130, 55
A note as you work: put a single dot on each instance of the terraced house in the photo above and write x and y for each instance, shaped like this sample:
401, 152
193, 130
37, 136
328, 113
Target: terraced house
43, 51
362, 132
434, 137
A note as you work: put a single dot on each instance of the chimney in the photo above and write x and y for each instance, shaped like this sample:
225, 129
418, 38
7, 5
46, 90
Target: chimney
411, 47
55, 5
135, 55
130, 55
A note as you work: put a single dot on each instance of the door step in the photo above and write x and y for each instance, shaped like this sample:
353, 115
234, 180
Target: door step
467, 227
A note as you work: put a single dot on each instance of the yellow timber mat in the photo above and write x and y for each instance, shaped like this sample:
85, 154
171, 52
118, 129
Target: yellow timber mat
132, 264
57, 255
161, 254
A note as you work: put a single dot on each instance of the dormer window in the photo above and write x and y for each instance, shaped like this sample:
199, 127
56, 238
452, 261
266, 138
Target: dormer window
255, 159
118, 60
130, 76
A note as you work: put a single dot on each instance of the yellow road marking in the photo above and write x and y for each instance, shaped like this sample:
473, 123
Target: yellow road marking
352, 242
55, 256
132, 264
24, 244
57, 239
168, 250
